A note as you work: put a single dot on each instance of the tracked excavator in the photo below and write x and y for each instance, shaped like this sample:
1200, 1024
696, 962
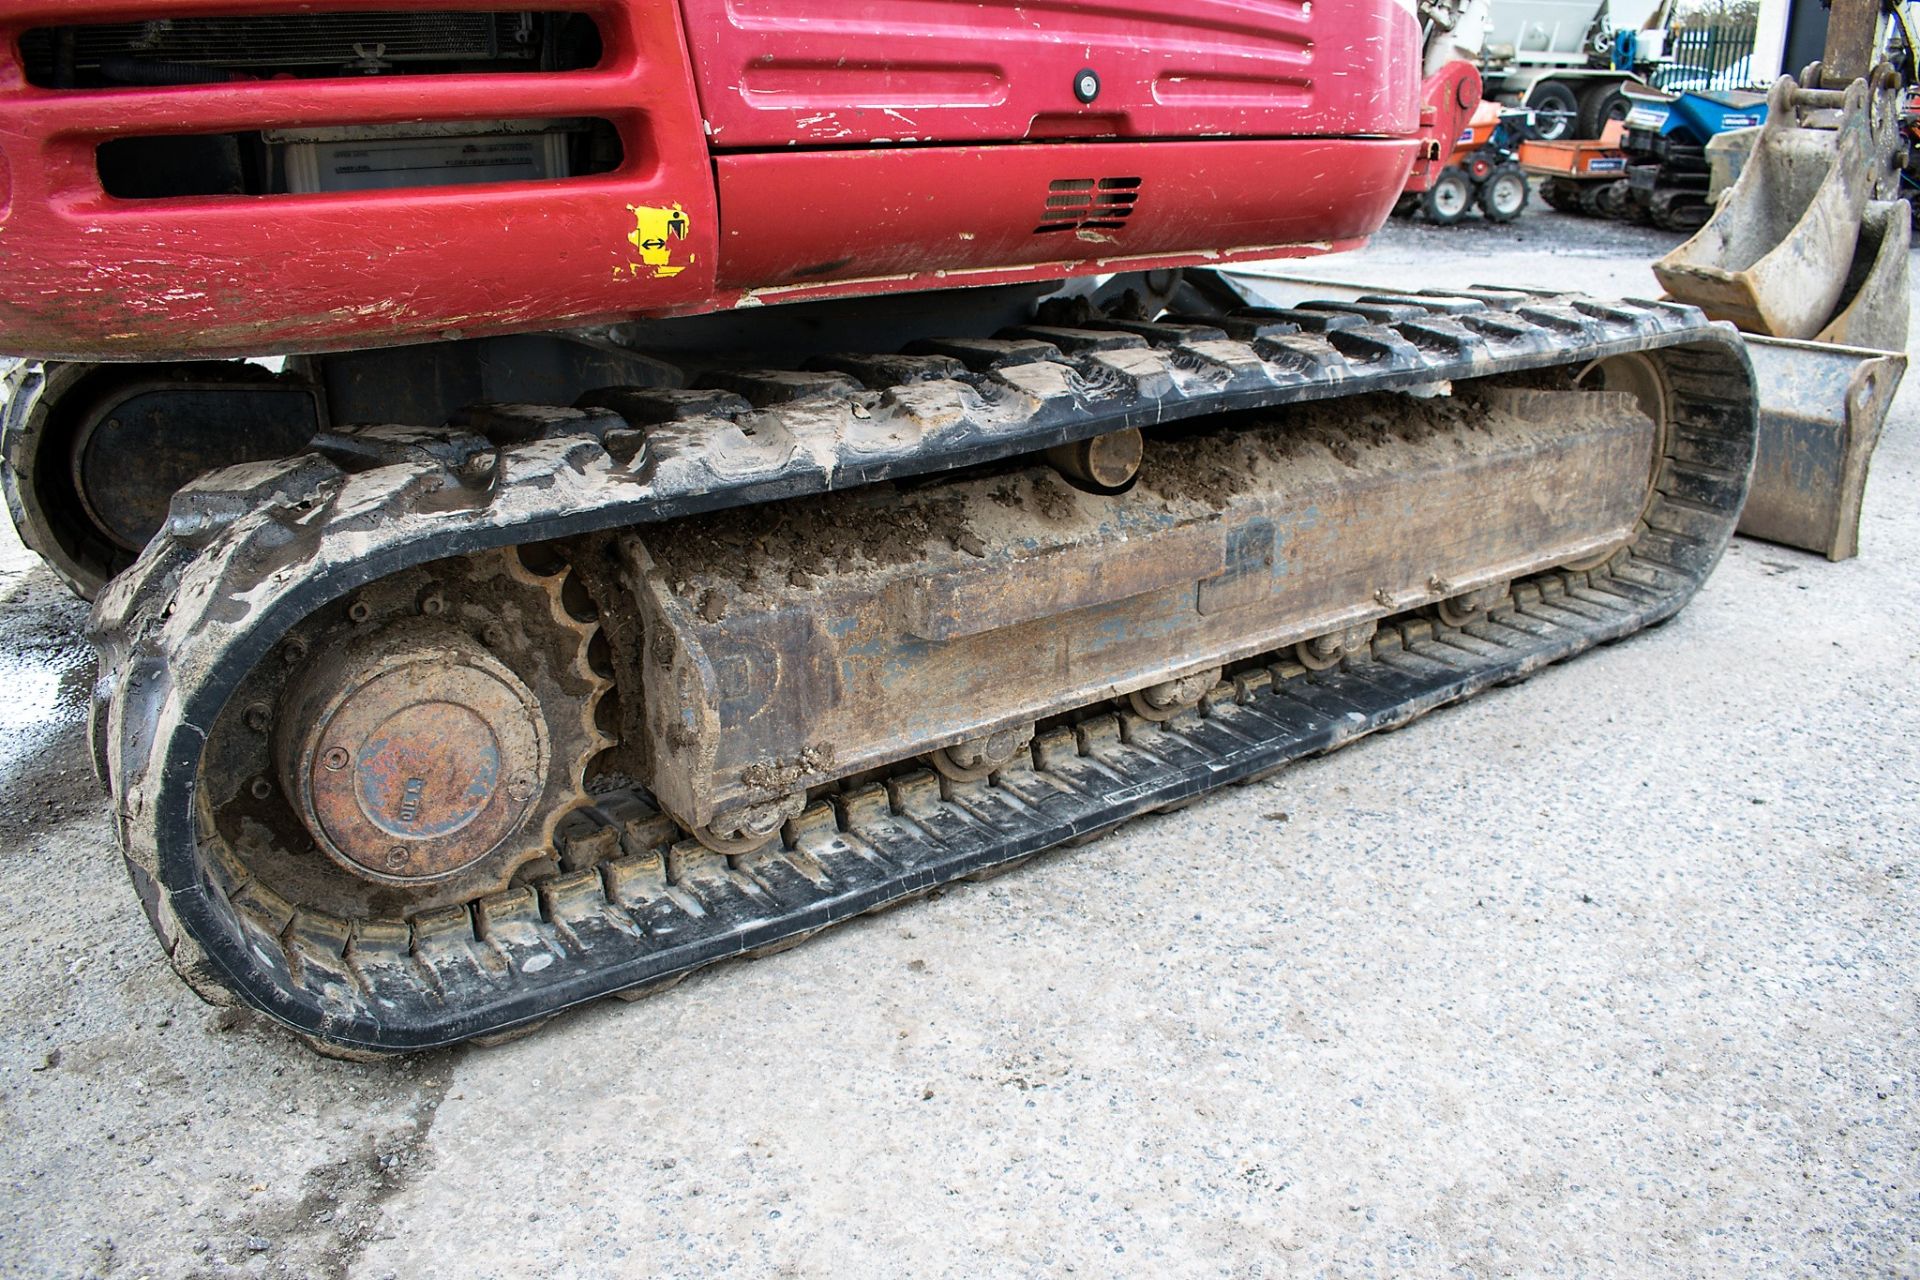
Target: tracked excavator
731, 465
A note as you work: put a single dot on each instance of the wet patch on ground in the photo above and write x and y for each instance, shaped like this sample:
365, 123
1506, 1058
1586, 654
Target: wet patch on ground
46, 672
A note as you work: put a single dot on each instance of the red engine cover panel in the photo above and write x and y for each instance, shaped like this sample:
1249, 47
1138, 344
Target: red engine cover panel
775, 73
802, 217
1309, 114
84, 275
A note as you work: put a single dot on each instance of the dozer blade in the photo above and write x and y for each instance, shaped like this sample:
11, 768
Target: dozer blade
1821, 409
1775, 256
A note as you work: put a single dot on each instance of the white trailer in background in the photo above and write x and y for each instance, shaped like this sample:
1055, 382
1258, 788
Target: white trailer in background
1565, 60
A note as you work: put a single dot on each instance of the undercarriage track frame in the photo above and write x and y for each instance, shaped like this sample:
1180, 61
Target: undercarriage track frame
249, 552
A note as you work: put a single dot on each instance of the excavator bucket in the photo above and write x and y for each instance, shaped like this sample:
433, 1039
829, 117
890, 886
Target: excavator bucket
1774, 257
1872, 311
1807, 253
1821, 408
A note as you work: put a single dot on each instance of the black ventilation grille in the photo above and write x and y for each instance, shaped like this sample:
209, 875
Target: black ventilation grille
1089, 204
171, 50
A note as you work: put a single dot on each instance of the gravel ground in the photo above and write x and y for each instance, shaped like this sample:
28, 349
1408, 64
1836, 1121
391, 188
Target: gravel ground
1611, 973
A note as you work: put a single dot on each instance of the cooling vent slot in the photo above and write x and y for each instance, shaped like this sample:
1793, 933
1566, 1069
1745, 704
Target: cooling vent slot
1089, 204
205, 50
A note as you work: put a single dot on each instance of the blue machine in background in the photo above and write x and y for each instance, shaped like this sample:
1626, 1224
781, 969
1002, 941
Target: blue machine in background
1666, 146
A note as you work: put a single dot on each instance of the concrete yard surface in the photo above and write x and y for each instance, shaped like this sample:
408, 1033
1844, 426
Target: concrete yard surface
1611, 973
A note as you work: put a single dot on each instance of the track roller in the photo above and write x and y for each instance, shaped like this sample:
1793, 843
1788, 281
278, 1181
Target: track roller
978, 758
1169, 698
1323, 653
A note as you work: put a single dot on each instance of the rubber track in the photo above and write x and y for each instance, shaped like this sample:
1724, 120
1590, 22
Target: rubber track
250, 551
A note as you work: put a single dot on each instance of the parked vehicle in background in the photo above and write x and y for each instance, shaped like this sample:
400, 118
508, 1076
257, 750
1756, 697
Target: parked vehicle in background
1568, 61
1483, 171
1572, 62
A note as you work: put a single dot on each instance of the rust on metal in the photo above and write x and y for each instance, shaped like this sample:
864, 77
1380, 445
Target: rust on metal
862, 629
413, 764
1102, 464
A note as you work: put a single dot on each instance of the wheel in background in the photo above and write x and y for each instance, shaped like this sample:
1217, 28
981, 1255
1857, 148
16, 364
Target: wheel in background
1504, 194
1555, 112
1599, 104
1449, 198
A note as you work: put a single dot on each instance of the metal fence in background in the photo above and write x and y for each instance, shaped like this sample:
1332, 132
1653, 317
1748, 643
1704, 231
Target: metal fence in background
1715, 57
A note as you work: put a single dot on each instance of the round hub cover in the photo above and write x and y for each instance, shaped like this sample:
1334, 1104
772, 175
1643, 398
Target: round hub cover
413, 766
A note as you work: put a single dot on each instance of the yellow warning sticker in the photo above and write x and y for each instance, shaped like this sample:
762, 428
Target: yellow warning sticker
655, 234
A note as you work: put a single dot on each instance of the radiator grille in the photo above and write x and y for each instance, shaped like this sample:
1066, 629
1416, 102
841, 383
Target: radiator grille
352, 41
1090, 204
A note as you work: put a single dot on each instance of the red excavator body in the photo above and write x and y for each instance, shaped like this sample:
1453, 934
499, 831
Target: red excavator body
675, 158
620, 623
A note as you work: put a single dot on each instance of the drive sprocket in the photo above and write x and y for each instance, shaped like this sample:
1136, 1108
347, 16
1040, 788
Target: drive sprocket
415, 746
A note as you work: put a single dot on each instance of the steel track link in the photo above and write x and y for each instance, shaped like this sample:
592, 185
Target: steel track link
250, 551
